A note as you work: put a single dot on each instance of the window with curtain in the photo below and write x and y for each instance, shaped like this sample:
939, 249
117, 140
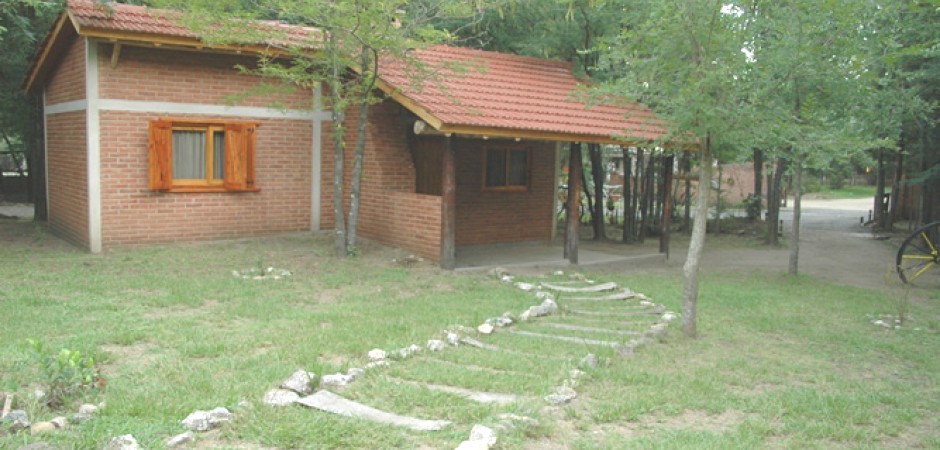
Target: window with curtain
213, 156
506, 168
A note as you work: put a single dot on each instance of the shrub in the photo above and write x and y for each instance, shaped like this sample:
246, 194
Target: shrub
64, 374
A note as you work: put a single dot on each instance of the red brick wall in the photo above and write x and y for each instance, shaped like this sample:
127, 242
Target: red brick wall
392, 213
68, 179
487, 217
68, 79
390, 210
133, 215
150, 74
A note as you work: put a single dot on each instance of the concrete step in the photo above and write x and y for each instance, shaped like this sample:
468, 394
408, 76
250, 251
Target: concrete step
327, 401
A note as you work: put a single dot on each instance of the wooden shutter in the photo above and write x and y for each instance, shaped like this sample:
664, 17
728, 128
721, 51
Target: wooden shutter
239, 143
161, 155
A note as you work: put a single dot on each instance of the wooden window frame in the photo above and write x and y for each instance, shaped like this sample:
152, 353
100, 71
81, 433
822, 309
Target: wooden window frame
239, 168
507, 149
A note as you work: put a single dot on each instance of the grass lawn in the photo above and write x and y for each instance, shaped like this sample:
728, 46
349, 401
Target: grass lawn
781, 362
848, 191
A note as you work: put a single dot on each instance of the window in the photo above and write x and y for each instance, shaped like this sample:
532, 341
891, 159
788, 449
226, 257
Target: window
187, 156
506, 169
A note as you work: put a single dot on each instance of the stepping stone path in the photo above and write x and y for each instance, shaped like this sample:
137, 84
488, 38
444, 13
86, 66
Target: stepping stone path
521, 360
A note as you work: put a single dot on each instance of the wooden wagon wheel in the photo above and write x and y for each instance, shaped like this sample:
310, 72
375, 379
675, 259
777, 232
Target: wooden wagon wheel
919, 252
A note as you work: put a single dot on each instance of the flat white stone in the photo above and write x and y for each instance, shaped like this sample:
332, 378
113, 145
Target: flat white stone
576, 340
332, 403
469, 394
625, 294
280, 397
569, 327
595, 288
435, 345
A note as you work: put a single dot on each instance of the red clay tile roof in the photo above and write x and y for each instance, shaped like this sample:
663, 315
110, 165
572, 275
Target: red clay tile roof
126, 18
490, 90
492, 93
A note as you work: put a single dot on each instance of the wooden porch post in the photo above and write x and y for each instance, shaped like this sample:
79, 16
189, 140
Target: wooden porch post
667, 205
572, 231
449, 207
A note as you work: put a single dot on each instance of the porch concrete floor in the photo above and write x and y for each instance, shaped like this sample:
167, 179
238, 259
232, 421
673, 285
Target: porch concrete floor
538, 255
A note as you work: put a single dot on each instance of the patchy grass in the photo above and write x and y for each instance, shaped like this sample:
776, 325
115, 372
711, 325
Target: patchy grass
781, 362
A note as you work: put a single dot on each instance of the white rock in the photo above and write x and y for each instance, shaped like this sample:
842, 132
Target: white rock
485, 328
280, 397
42, 427
197, 421
558, 273
124, 442
408, 351
300, 382
574, 374
525, 315
88, 409
60, 422
562, 395
453, 338
39, 394
506, 278
377, 354
544, 294
219, 416
525, 286
435, 345
473, 445
355, 373
646, 303
483, 433
337, 380
180, 439
668, 316
374, 364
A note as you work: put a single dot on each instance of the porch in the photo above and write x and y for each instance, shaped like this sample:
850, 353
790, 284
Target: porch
538, 255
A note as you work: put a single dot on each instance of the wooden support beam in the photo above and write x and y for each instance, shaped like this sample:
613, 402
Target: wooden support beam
115, 54
449, 207
666, 221
573, 229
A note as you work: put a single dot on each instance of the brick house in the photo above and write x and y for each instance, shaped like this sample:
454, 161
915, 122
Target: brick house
144, 144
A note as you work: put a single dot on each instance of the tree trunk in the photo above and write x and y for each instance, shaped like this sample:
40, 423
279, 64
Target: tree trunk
645, 199
758, 172
896, 192
795, 226
597, 174
339, 155
773, 203
718, 202
628, 213
356, 183
687, 167
697, 244
880, 189
37, 162
575, 173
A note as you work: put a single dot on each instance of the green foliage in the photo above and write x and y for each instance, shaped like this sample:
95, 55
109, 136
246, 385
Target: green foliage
753, 206
65, 374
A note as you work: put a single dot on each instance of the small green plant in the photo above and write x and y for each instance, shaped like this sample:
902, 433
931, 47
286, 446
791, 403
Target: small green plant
752, 206
64, 374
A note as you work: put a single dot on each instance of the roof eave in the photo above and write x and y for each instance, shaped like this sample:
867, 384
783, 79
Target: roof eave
39, 66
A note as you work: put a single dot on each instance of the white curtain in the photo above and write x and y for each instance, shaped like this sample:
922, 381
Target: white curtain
189, 154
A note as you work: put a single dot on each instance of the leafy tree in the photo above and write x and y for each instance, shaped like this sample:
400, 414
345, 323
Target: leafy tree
682, 59
22, 26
